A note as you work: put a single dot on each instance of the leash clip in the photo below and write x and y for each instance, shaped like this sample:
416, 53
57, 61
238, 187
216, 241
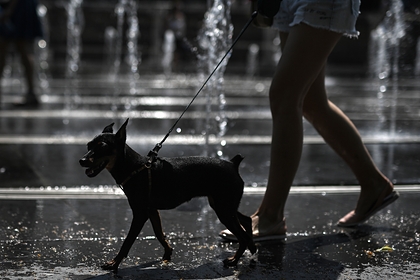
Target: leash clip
152, 155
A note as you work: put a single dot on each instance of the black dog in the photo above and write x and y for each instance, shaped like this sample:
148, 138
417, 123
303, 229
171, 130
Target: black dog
166, 183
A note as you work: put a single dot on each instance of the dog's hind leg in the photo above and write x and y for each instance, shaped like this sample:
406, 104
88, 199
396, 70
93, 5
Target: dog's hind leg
157, 228
246, 222
229, 218
231, 222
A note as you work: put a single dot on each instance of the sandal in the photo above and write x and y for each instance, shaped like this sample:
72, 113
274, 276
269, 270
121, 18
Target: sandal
277, 232
353, 218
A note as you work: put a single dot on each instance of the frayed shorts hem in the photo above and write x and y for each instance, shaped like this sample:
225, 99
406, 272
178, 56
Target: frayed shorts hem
351, 35
334, 15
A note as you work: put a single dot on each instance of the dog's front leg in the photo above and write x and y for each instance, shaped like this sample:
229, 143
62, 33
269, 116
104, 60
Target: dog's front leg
157, 228
139, 218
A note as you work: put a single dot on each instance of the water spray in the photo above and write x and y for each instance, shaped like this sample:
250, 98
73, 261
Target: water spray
266, 8
153, 153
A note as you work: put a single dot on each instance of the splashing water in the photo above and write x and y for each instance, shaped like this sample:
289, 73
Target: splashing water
110, 49
417, 65
75, 25
385, 42
215, 38
132, 35
42, 52
124, 9
252, 60
383, 63
168, 49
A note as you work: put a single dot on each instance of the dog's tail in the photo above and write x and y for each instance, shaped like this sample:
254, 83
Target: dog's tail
236, 160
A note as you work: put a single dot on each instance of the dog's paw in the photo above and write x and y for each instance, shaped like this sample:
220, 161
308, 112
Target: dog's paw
110, 265
254, 259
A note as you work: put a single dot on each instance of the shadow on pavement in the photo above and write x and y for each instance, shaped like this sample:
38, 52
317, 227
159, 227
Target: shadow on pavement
279, 259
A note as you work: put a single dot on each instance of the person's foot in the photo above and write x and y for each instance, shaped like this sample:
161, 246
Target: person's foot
30, 100
276, 231
267, 231
363, 212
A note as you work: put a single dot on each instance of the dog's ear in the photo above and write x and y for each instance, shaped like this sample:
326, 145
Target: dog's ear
121, 134
108, 128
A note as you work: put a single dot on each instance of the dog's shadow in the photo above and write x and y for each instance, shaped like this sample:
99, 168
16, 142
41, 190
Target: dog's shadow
157, 270
280, 259
299, 252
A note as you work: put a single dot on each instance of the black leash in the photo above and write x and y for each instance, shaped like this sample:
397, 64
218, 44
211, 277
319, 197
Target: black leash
153, 153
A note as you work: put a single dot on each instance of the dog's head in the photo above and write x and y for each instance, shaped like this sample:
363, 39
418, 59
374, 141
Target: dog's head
103, 150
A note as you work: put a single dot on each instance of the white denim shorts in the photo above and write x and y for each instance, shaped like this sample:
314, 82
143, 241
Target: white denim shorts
334, 15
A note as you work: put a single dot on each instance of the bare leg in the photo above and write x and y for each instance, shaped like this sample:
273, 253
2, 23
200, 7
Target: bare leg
28, 63
3, 51
305, 52
338, 131
341, 135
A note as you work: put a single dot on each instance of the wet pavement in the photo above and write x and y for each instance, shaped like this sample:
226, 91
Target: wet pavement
69, 238
59, 224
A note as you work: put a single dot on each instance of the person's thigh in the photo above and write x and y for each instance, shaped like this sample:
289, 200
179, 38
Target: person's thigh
304, 55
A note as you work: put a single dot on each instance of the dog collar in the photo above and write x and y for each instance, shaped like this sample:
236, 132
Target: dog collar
134, 173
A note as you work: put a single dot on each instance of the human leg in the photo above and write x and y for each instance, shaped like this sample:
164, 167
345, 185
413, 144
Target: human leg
28, 63
3, 51
342, 136
305, 52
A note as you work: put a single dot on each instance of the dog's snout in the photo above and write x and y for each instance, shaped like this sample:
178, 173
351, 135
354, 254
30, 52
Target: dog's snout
86, 160
83, 161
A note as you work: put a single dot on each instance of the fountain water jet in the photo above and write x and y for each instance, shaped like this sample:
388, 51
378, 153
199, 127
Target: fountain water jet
215, 38
42, 53
132, 59
124, 8
75, 25
384, 57
110, 48
252, 60
168, 49
417, 65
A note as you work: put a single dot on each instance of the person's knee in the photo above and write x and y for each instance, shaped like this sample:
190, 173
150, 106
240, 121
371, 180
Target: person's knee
309, 111
284, 107
315, 111
285, 100
315, 104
